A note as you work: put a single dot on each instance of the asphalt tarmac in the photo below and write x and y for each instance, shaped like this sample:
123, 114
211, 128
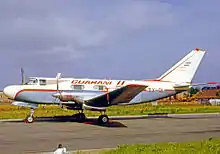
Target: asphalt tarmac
45, 134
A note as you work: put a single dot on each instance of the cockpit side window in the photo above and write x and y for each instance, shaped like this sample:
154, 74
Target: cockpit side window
42, 82
32, 82
35, 81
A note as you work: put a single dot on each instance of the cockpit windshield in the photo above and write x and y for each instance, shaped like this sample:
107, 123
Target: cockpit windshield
32, 81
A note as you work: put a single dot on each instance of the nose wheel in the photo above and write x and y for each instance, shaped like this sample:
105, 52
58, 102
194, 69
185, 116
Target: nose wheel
30, 118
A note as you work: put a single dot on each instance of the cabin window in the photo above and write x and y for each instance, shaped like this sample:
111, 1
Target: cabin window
32, 82
42, 82
77, 87
99, 87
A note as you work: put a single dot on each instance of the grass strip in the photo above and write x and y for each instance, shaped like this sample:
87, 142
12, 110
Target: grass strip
209, 146
15, 112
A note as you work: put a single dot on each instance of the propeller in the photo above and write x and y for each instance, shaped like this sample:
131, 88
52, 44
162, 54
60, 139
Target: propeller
58, 91
63, 96
58, 77
22, 76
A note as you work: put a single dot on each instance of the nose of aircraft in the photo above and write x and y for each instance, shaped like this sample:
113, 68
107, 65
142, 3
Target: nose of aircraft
11, 91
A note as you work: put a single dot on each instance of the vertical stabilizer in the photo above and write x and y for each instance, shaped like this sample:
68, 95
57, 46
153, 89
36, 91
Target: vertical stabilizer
184, 71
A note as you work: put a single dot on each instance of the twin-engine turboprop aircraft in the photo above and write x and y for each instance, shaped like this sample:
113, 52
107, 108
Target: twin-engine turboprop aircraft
97, 94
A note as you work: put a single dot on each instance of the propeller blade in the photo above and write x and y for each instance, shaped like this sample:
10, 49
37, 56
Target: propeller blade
22, 76
57, 85
58, 77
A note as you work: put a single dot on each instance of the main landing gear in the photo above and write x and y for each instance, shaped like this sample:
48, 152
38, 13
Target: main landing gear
80, 117
30, 118
103, 119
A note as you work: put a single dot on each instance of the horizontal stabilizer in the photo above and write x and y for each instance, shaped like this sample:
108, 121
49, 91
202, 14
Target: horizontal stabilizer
182, 86
121, 95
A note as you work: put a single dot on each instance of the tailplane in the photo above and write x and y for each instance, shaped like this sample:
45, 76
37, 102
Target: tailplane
184, 71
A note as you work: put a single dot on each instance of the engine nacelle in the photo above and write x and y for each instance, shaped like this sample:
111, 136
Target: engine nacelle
65, 97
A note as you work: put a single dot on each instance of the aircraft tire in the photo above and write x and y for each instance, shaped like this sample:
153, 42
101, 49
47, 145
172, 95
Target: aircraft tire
81, 117
103, 119
29, 119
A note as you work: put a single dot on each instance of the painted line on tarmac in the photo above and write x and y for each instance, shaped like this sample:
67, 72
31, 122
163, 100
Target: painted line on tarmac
191, 115
86, 151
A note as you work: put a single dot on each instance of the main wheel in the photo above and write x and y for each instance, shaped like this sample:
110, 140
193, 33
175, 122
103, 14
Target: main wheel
29, 119
81, 117
103, 119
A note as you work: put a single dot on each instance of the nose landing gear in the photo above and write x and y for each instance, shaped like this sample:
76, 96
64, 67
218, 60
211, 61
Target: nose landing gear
30, 118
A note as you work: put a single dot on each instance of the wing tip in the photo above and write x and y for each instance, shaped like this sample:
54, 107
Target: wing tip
212, 82
199, 49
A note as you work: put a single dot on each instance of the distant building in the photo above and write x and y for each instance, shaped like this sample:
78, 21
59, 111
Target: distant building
207, 96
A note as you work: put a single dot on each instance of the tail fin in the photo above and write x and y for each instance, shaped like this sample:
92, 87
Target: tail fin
184, 71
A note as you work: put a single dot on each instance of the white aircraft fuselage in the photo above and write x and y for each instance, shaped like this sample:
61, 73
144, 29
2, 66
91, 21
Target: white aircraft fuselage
98, 94
88, 88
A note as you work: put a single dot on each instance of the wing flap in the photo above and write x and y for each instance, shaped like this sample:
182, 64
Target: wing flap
121, 95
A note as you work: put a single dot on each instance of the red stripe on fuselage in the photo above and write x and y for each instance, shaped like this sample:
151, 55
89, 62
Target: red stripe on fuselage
51, 90
34, 90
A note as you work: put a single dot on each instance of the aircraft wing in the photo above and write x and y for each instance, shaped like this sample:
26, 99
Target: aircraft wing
120, 95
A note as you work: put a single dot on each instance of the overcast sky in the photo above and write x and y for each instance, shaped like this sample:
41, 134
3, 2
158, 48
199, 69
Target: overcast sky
137, 39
